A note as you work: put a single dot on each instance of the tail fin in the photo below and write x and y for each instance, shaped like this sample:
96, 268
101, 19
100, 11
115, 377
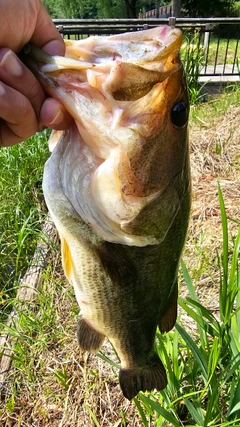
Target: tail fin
143, 378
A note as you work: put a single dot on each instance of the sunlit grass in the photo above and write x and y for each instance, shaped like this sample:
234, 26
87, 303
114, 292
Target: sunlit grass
195, 57
200, 113
21, 212
226, 50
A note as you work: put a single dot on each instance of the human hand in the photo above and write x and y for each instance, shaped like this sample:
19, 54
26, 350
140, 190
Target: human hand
24, 108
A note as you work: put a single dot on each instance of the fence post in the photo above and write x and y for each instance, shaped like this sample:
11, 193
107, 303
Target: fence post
172, 21
60, 28
157, 9
206, 37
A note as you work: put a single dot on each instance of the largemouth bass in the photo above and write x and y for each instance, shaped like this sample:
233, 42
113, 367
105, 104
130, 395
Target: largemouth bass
117, 186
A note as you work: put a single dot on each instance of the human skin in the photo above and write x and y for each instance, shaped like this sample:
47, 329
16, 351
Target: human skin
24, 107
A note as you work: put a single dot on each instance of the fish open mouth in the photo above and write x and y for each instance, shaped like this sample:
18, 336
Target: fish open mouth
120, 90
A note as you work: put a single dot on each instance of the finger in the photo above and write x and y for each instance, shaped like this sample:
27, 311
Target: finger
31, 23
18, 119
16, 75
54, 48
54, 115
45, 34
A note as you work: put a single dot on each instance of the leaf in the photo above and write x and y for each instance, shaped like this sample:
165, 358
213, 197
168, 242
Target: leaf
235, 408
106, 359
195, 350
214, 356
234, 400
140, 410
188, 281
223, 285
160, 410
195, 411
233, 369
92, 415
234, 263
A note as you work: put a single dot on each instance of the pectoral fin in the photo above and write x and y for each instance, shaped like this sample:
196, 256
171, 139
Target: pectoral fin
88, 338
168, 319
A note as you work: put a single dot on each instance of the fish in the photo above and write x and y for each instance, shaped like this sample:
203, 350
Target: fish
118, 187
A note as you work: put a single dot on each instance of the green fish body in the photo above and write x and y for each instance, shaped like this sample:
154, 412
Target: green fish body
117, 185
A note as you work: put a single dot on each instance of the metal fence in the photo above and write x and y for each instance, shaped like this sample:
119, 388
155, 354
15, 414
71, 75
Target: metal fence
162, 11
214, 40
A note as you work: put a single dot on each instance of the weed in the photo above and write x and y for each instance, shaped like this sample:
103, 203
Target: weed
20, 211
201, 112
192, 55
203, 373
62, 377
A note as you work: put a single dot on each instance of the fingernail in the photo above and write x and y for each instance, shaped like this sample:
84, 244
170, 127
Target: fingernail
10, 63
58, 118
2, 89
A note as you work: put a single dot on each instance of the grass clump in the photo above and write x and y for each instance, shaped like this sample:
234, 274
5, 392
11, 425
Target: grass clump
204, 113
192, 56
225, 49
21, 210
204, 370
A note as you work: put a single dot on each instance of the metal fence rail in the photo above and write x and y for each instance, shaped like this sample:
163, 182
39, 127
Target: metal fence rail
214, 40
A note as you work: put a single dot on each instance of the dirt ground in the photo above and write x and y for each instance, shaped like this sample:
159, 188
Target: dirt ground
92, 384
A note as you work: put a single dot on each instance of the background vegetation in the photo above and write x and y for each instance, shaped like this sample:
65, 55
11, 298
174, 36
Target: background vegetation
21, 211
94, 9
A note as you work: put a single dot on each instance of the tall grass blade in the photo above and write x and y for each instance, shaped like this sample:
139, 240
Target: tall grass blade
160, 410
195, 350
92, 415
235, 298
213, 411
141, 412
224, 280
234, 404
212, 326
106, 359
188, 281
195, 411
233, 369
196, 316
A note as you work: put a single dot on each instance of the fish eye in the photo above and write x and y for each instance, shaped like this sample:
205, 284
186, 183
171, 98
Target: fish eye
179, 115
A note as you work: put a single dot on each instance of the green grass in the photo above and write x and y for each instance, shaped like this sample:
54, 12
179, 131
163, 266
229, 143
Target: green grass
226, 51
194, 58
20, 214
206, 390
200, 113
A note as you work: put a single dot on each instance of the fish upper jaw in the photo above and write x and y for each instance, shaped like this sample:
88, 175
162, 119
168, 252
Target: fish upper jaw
144, 48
